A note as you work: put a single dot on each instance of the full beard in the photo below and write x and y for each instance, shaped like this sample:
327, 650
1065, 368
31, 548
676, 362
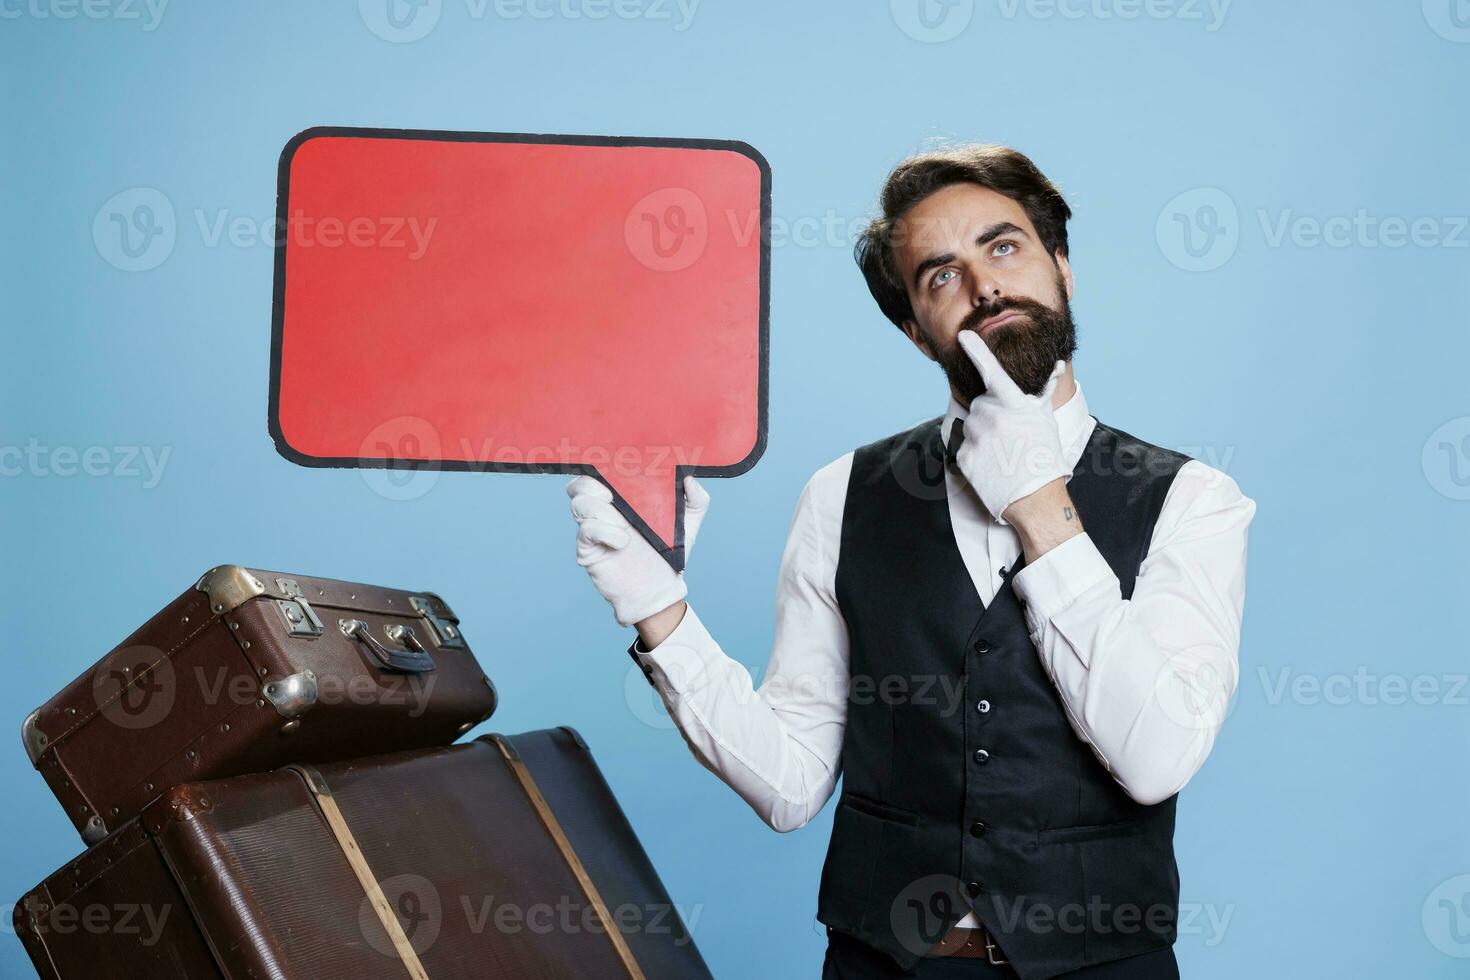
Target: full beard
1028, 347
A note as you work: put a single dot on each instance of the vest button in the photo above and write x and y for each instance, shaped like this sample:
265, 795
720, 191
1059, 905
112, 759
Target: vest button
977, 829
981, 756
981, 646
982, 706
973, 888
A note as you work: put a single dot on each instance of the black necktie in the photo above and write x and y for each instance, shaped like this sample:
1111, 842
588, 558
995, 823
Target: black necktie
956, 436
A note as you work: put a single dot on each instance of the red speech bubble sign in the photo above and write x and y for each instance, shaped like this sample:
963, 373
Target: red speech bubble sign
509, 302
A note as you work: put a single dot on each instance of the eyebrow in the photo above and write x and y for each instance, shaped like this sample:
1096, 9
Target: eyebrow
984, 238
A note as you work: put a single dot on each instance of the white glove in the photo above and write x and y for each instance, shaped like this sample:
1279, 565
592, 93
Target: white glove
1011, 446
626, 569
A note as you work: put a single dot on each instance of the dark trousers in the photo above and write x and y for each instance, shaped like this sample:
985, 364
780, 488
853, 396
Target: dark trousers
853, 959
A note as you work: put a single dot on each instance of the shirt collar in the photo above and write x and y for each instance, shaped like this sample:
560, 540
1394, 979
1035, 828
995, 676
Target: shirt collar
1074, 423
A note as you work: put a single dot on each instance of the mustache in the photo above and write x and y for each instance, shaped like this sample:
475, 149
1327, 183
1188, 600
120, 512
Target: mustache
980, 314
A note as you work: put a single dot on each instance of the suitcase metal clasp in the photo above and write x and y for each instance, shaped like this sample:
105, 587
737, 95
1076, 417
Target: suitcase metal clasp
446, 632
301, 619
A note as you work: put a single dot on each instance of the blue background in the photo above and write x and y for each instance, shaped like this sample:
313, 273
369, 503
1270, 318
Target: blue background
1322, 377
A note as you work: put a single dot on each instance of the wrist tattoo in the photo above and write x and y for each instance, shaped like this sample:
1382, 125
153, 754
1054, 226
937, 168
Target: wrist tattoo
1068, 514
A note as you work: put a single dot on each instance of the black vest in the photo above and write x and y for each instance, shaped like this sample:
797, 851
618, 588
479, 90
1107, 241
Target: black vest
964, 784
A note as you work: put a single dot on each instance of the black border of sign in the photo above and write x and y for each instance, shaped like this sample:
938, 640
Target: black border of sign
674, 555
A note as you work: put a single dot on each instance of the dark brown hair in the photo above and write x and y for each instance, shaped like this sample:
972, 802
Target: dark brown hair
999, 168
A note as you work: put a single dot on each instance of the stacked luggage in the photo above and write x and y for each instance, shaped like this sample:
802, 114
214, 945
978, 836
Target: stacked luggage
265, 775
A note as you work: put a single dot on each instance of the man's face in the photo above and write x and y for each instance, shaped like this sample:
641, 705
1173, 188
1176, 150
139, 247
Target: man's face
971, 260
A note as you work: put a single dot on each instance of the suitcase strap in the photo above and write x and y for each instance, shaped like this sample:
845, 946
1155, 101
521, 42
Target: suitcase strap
322, 794
553, 826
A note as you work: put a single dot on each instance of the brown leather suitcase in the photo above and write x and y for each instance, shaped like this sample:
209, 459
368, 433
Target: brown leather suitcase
504, 857
249, 670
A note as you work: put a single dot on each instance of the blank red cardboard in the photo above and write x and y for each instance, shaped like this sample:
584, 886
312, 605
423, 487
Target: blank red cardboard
509, 302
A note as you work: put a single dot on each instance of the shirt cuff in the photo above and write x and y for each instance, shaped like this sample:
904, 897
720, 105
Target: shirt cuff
678, 653
1061, 576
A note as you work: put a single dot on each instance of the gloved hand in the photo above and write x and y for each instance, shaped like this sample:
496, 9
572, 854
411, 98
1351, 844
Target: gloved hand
626, 569
1011, 446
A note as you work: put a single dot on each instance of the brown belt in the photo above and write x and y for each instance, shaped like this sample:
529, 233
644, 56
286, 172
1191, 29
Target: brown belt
965, 941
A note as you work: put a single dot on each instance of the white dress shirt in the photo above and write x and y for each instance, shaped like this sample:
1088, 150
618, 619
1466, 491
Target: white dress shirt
1145, 681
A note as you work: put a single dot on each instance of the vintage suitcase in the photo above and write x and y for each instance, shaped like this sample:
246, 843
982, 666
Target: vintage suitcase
504, 857
249, 670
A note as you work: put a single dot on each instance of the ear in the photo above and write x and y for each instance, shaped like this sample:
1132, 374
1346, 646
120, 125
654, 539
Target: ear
912, 331
1066, 270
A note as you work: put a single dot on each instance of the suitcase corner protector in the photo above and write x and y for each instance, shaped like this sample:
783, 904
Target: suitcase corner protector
35, 740
229, 587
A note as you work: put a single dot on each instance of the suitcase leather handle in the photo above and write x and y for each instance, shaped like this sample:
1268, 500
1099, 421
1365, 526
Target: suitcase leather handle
405, 661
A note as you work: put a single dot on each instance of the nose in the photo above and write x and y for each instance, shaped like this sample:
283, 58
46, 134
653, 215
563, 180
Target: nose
985, 286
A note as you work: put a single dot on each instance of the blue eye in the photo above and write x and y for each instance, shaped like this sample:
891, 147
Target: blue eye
1011, 245
939, 278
